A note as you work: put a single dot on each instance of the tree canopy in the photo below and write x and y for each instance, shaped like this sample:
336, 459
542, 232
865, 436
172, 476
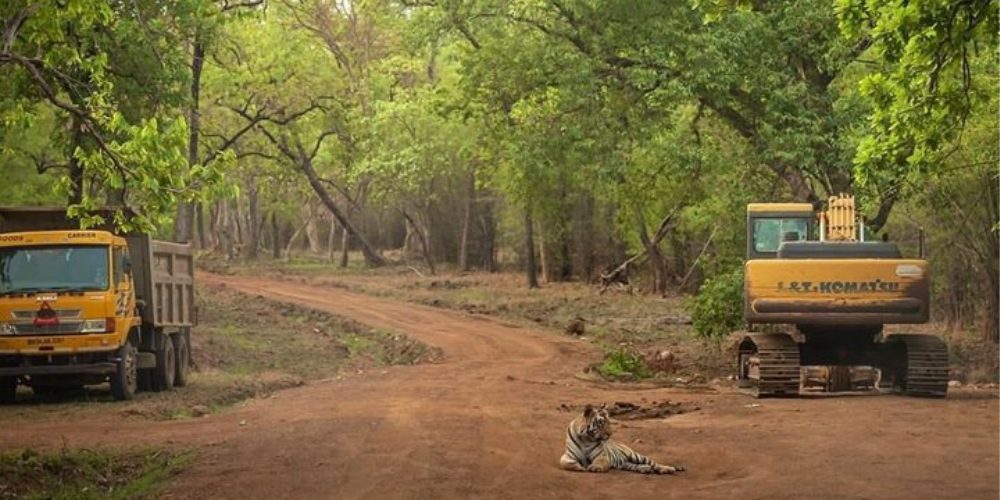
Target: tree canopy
560, 136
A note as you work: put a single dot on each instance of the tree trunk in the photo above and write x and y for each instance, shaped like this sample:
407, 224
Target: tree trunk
563, 233
330, 239
407, 239
185, 212
992, 262
275, 237
213, 214
200, 216
312, 234
659, 269
225, 229
295, 237
236, 218
182, 232
470, 195
992, 329
566, 262
679, 249
543, 252
586, 241
529, 250
656, 262
372, 258
488, 245
423, 237
345, 247
253, 236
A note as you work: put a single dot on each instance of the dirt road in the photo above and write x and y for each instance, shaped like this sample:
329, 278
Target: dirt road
487, 422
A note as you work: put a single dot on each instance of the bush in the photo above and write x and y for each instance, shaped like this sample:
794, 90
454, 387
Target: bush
623, 363
717, 310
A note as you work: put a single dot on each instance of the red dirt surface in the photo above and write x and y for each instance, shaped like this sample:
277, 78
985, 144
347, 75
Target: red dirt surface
489, 419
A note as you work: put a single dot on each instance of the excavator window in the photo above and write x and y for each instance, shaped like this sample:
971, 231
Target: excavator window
769, 233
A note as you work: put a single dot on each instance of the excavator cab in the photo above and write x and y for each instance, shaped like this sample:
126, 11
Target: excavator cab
771, 224
812, 273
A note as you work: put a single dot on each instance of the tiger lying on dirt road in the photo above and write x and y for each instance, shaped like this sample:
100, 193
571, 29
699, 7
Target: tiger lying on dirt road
589, 448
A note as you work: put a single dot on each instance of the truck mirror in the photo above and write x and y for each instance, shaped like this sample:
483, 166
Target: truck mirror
127, 266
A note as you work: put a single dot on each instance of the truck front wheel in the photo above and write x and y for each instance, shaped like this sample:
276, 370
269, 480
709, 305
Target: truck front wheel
166, 366
125, 379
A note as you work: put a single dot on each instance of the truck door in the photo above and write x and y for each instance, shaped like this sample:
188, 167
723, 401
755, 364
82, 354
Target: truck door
124, 290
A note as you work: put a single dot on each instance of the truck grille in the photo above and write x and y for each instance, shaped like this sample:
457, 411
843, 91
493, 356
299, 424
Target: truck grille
69, 322
62, 314
60, 329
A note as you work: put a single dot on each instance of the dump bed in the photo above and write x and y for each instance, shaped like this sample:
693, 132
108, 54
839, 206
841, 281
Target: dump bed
163, 272
21, 219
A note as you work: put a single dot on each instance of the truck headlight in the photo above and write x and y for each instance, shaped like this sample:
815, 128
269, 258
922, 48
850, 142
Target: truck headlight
7, 329
97, 325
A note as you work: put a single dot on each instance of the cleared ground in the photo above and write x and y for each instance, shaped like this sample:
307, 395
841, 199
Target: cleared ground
244, 347
488, 420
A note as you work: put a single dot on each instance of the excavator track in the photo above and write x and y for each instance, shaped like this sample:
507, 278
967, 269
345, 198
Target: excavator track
925, 372
769, 365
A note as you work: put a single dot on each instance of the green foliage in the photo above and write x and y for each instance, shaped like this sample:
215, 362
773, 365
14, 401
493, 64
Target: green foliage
717, 310
623, 363
99, 86
924, 86
596, 117
87, 474
959, 210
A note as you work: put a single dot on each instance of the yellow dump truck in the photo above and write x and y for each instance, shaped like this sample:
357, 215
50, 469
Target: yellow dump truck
81, 307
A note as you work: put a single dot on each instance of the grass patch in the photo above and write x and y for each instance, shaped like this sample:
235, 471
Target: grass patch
87, 474
623, 364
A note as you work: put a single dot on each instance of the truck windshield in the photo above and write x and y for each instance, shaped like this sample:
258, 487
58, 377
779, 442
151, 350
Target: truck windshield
53, 268
769, 233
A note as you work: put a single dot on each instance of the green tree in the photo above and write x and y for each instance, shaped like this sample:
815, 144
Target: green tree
107, 75
923, 86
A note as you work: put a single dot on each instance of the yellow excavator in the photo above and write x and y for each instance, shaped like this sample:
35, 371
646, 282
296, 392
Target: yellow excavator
811, 275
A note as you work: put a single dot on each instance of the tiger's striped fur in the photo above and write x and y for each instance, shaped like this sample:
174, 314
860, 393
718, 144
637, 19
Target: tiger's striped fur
589, 448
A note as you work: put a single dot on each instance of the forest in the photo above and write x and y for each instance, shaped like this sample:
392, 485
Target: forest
563, 139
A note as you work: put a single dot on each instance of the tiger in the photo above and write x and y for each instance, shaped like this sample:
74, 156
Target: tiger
589, 448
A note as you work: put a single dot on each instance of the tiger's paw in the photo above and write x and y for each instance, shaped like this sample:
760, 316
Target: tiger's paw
669, 469
644, 469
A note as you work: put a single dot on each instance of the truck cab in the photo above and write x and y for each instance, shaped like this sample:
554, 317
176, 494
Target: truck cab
81, 307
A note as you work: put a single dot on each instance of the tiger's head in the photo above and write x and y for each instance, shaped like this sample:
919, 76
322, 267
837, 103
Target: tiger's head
597, 422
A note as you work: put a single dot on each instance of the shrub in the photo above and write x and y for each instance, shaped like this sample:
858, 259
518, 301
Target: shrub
623, 363
717, 309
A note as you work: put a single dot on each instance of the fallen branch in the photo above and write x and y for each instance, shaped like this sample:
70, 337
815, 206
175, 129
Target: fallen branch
698, 258
620, 273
